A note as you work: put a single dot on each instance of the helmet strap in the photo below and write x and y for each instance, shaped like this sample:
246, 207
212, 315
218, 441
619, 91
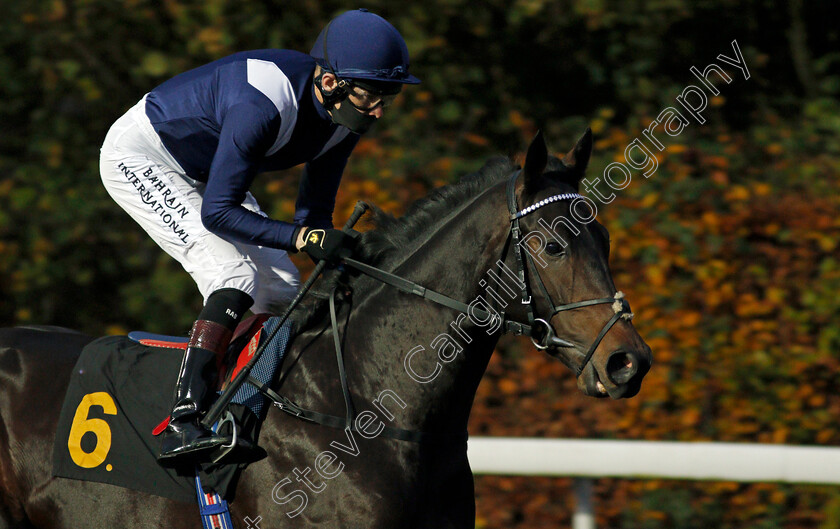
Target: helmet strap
334, 96
337, 95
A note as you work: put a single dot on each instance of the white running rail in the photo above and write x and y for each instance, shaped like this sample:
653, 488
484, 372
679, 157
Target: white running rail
586, 459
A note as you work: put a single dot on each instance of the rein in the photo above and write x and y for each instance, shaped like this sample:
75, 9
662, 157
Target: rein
347, 422
542, 339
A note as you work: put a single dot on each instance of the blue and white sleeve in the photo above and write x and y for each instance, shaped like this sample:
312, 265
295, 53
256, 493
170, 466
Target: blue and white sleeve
319, 185
248, 131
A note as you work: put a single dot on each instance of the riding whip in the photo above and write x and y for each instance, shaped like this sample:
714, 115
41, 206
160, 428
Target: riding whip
221, 403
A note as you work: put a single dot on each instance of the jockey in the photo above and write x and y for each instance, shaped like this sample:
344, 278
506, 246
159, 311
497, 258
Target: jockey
182, 160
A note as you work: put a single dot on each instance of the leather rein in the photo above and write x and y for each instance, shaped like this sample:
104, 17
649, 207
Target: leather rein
540, 331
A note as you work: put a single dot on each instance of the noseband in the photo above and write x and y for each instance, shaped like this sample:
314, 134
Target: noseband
547, 337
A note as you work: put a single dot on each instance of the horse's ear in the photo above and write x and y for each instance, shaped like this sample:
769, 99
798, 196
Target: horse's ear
536, 159
578, 158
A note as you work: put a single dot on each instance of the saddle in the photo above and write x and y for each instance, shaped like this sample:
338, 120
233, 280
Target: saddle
241, 349
238, 354
120, 391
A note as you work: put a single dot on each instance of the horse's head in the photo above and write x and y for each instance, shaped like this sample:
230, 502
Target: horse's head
578, 315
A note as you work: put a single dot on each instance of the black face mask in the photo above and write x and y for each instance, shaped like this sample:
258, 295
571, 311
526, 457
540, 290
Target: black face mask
346, 116
351, 118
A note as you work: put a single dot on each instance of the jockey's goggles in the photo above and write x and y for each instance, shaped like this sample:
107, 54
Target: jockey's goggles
365, 97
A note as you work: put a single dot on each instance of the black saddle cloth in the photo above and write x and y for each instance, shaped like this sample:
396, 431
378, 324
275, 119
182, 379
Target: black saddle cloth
119, 392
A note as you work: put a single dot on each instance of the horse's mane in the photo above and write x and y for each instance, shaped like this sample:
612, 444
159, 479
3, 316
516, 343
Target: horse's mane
393, 236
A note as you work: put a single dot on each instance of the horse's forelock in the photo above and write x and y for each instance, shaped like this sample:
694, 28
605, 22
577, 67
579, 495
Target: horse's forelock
556, 172
557, 177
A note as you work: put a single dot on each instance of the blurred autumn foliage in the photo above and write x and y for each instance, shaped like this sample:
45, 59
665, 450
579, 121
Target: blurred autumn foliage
727, 253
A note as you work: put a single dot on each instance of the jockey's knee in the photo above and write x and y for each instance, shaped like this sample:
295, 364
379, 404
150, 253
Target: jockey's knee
273, 295
226, 306
237, 274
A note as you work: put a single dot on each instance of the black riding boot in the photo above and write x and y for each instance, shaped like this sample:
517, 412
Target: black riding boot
184, 436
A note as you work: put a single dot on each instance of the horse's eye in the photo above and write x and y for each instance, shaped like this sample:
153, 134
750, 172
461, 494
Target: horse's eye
554, 248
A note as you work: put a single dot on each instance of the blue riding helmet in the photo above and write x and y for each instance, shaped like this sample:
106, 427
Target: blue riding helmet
361, 45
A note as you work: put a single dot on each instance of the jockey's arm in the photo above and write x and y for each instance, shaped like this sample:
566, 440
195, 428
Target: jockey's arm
246, 135
319, 186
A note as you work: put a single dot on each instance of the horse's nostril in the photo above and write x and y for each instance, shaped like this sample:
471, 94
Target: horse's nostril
622, 366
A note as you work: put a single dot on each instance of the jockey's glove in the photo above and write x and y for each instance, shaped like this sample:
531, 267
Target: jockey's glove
330, 244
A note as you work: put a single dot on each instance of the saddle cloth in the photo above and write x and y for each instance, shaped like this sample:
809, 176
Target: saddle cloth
120, 391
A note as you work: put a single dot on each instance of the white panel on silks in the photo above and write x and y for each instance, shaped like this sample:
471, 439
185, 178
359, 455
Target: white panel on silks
270, 80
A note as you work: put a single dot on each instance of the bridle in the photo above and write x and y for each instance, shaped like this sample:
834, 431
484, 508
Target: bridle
539, 329
525, 264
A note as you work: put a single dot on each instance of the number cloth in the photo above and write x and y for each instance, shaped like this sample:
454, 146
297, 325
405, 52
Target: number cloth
114, 402
95, 445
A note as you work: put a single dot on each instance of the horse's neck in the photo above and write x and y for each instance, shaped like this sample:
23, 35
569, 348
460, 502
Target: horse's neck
408, 345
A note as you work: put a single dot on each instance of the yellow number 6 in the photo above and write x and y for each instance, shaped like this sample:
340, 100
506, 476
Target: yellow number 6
82, 425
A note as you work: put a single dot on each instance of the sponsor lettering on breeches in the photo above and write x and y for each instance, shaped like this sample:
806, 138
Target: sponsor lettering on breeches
166, 205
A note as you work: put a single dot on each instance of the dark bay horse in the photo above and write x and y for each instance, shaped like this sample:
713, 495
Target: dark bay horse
411, 364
